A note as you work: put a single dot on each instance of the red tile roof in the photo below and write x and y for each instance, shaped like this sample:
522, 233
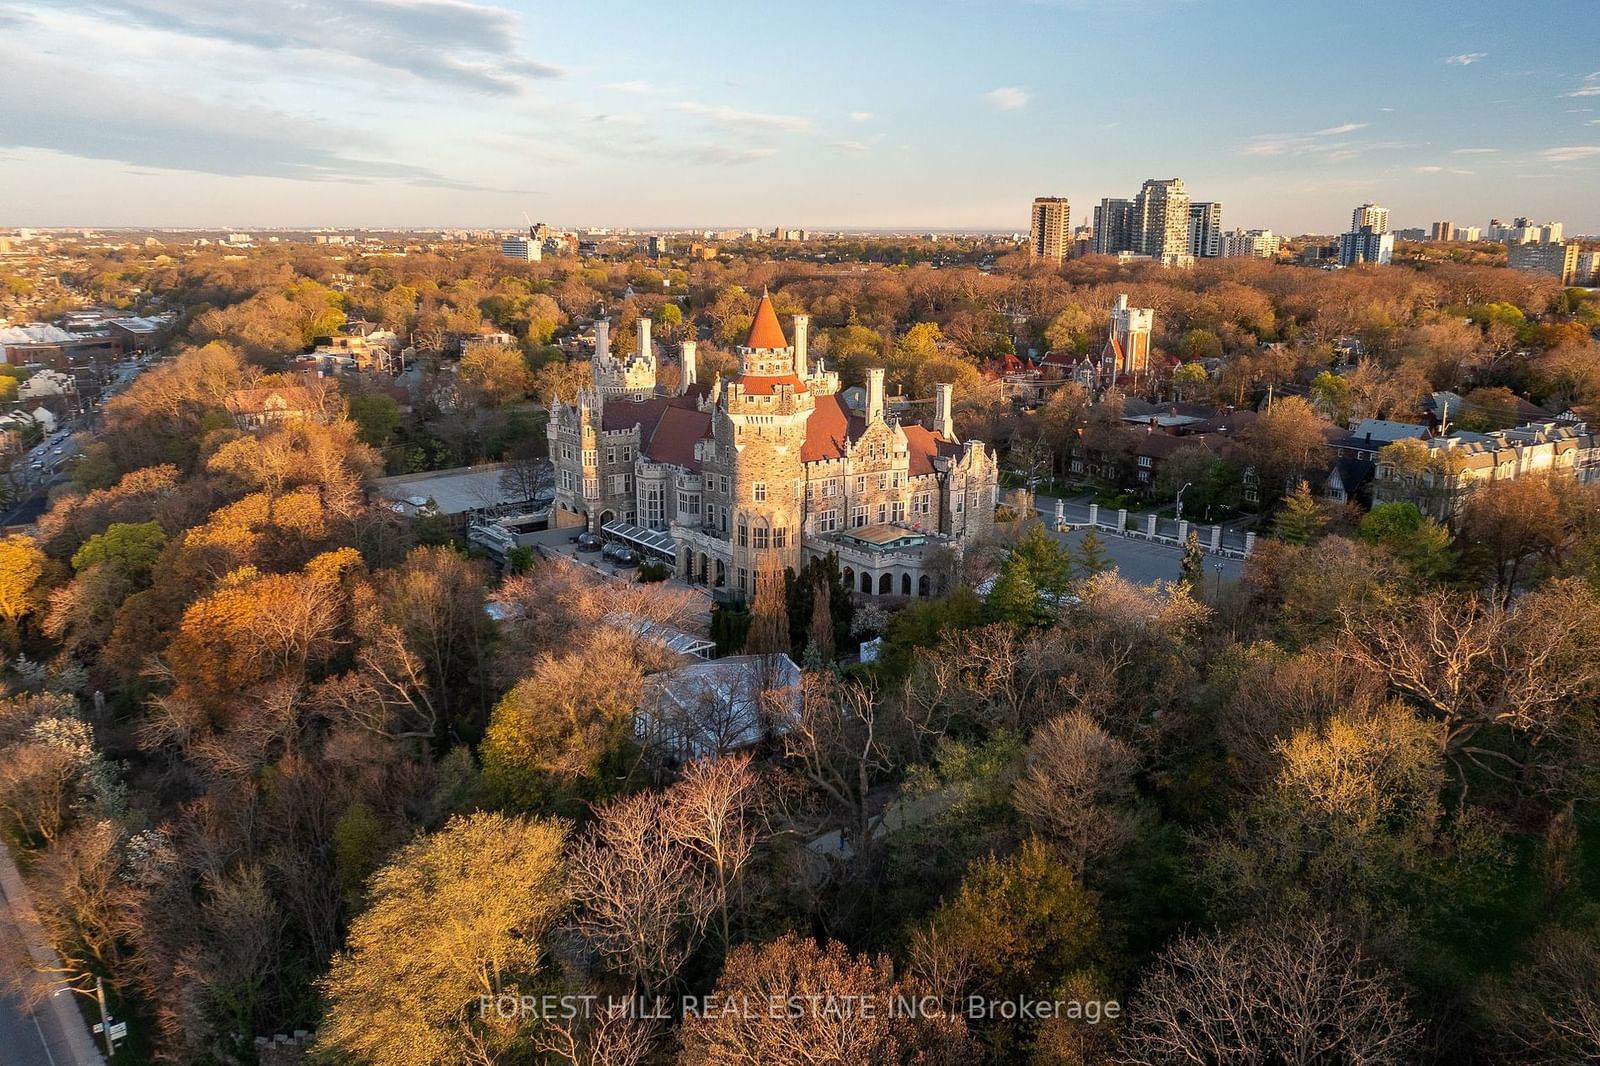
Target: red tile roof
923, 444
829, 428
675, 435
766, 386
764, 329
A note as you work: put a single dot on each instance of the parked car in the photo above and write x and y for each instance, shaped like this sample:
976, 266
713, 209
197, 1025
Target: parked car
625, 558
588, 542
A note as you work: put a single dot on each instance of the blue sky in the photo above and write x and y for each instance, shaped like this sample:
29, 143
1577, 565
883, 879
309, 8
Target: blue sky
932, 114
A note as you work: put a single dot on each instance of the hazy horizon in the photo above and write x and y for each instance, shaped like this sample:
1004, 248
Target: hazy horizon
941, 117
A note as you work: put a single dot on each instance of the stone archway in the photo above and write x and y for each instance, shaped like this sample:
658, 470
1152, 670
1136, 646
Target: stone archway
849, 577
905, 584
866, 582
886, 585
924, 586
722, 573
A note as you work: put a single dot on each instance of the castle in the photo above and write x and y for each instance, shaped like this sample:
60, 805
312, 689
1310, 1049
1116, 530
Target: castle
767, 469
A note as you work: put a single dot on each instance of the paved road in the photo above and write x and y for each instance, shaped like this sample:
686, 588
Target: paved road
1145, 561
38, 1037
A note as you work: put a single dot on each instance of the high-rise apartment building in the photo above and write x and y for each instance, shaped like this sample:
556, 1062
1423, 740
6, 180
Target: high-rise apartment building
1588, 268
1205, 228
1369, 239
1369, 217
1113, 227
1255, 243
1556, 258
1050, 228
1469, 233
1161, 220
1442, 231
529, 251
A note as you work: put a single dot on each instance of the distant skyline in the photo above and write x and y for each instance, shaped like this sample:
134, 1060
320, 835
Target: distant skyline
941, 115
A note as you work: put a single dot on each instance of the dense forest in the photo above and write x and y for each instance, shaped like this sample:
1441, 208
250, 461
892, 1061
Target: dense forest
269, 763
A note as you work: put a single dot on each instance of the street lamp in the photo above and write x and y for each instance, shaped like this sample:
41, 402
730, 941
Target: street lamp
1181, 491
1219, 579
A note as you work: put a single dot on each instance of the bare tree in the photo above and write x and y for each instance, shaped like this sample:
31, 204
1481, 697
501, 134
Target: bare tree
838, 745
643, 898
1296, 994
712, 813
1076, 788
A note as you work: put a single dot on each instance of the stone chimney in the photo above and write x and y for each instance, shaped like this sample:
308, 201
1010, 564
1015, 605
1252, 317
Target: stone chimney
686, 357
875, 395
802, 326
644, 340
944, 423
602, 341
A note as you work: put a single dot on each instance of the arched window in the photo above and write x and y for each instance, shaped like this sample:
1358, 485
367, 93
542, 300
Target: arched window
744, 532
886, 585
866, 583
849, 577
923, 585
905, 584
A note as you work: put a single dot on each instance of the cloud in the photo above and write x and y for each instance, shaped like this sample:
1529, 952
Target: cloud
1348, 127
1006, 98
1428, 170
1466, 59
474, 46
850, 147
10, 16
638, 88
1476, 151
1385, 109
861, 116
1570, 153
82, 112
732, 117
723, 156
1588, 90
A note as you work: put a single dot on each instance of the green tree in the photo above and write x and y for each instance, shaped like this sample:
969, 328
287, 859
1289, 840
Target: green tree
1301, 518
1193, 566
1092, 557
1422, 544
1048, 564
458, 915
1201, 344
1014, 597
1332, 396
1068, 331
376, 415
132, 547
1191, 381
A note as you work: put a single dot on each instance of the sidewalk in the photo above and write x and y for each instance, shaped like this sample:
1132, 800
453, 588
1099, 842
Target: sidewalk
59, 1006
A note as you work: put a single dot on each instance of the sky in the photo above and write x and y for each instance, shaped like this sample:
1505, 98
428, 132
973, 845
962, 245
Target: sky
924, 114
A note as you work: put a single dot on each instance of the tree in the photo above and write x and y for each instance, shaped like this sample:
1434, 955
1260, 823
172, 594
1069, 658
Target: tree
1285, 445
643, 898
1191, 381
376, 415
1092, 559
769, 616
1201, 344
1506, 524
713, 813
131, 547
558, 730
1331, 395
1077, 787
1420, 542
454, 917
1548, 1009
497, 372
1069, 330
804, 978
1016, 924
1294, 993
22, 567
839, 748
1193, 565
1014, 597
560, 382
1300, 519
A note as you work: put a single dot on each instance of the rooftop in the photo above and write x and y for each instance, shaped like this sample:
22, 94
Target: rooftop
764, 329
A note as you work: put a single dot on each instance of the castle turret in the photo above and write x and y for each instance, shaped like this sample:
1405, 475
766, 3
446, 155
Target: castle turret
761, 426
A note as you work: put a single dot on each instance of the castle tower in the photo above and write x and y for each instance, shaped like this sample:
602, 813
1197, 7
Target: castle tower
614, 378
1127, 350
760, 428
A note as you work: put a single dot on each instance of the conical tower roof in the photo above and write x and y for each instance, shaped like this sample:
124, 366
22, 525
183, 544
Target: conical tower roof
764, 329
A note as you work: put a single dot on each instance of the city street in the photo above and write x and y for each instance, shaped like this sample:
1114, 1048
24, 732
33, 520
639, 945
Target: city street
52, 1034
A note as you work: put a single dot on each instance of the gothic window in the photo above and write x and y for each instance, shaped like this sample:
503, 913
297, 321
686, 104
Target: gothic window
744, 540
780, 537
760, 541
